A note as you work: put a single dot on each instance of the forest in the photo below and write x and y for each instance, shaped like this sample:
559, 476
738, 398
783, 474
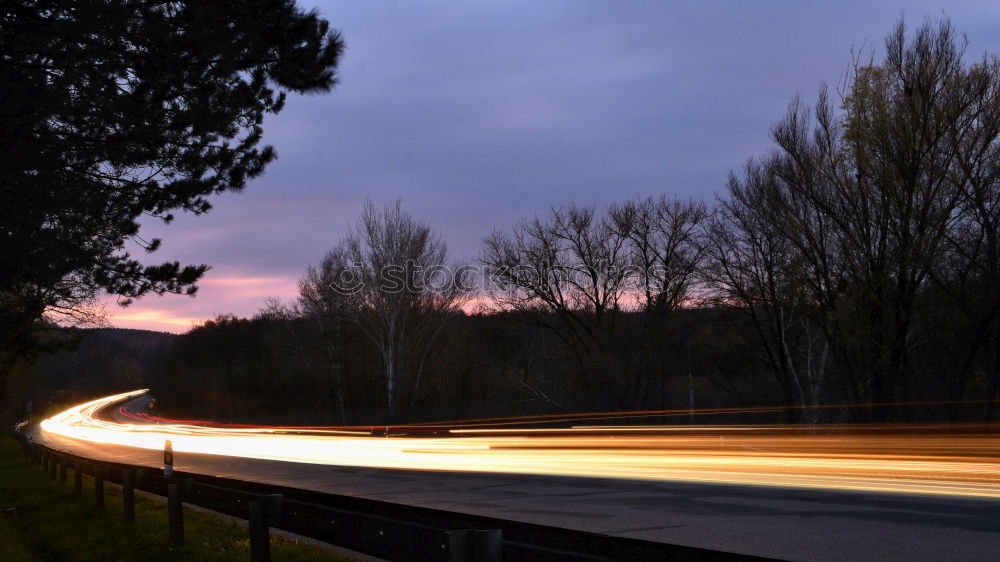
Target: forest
850, 273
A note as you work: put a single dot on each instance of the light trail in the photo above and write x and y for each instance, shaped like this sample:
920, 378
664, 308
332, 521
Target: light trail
928, 459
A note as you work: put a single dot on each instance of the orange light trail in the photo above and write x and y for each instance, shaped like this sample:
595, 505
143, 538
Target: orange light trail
939, 460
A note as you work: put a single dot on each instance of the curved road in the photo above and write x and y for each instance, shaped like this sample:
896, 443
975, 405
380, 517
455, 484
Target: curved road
772, 521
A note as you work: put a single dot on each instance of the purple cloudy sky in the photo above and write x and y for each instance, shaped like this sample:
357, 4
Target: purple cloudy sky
478, 114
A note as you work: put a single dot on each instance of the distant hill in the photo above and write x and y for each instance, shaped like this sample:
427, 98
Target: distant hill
103, 361
135, 339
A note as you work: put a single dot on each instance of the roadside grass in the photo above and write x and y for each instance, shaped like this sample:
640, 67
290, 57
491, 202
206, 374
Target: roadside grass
52, 523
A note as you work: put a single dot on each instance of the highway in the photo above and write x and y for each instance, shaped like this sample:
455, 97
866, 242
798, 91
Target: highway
888, 494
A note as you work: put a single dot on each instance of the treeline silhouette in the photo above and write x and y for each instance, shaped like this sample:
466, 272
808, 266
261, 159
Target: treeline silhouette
856, 263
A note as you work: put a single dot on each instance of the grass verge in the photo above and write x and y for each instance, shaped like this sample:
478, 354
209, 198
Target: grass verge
50, 522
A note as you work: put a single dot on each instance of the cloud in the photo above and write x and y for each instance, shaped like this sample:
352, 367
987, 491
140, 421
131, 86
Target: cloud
478, 114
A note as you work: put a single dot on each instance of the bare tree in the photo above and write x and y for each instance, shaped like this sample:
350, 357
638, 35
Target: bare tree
752, 269
969, 273
665, 253
390, 279
566, 272
665, 248
865, 198
330, 309
575, 272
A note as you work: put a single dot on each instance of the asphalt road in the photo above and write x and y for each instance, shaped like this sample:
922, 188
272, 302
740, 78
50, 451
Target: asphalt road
795, 524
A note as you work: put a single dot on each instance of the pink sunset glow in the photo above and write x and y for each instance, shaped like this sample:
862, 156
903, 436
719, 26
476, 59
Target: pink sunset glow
217, 295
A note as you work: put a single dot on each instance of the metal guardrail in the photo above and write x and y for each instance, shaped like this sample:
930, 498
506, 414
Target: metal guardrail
382, 529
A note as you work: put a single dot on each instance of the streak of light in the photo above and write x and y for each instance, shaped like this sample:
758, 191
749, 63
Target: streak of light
901, 459
569, 417
605, 429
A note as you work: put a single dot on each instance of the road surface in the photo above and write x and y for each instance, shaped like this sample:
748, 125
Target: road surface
772, 521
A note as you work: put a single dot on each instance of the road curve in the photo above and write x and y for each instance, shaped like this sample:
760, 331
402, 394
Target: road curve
814, 522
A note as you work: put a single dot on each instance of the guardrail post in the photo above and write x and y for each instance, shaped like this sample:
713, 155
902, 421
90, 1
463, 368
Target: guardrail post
63, 466
45, 459
52, 466
175, 511
468, 545
99, 484
128, 493
273, 504
260, 540
78, 476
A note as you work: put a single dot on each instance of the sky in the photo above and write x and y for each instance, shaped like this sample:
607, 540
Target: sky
481, 114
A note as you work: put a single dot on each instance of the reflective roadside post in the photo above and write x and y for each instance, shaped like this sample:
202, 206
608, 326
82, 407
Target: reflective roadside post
168, 458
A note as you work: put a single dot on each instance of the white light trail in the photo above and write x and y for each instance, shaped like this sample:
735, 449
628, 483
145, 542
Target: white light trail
960, 464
